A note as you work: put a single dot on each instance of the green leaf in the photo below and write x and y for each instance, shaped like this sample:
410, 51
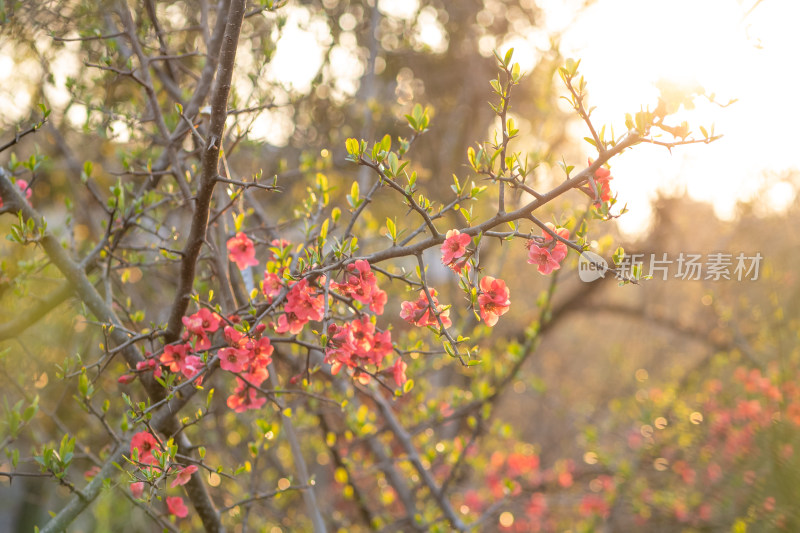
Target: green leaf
323, 230
629, 121
31, 410
507, 59
619, 255
238, 220
417, 112
572, 66
392, 229
84, 387
393, 163
352, 147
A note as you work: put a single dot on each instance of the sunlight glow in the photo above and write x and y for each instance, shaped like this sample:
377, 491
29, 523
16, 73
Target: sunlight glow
430, 31
299, 53
402, 9
627, 46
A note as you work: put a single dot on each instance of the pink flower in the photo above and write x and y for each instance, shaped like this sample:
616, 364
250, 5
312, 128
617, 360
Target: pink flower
241, 251
399, 372
137, 489
559, 248
361, 285
418, 313
174, 356
454, 246
256, 374
200, 325
191, 366
381, 346
236, 338
493, 300
144, 443
601, 178
203, 321
542, 258
261, 352
356, 343
341, 347
359, 281
362, 333
233, 359
177, 507
288, 322
236, 357
183, 476
303, 301
244, 398
378, 299
272, 286
549, 254
459, 266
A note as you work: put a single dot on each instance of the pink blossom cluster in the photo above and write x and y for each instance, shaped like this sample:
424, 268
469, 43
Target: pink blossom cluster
361, 285
493, 299
419, 313
454, 250
248, 357
178, 358
548, 253
602, 176
357, 343
303, 304
351, 345
493, 296
142, 445
199, 325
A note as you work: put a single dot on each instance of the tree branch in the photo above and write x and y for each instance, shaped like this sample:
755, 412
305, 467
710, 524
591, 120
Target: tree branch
208, 178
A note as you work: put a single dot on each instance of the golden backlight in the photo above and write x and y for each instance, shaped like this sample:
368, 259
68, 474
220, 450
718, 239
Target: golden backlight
734, 50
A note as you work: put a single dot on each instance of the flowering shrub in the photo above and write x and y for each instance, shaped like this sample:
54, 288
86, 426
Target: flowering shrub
334, 335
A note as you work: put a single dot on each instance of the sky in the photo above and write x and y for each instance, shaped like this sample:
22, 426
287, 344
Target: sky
737, 49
